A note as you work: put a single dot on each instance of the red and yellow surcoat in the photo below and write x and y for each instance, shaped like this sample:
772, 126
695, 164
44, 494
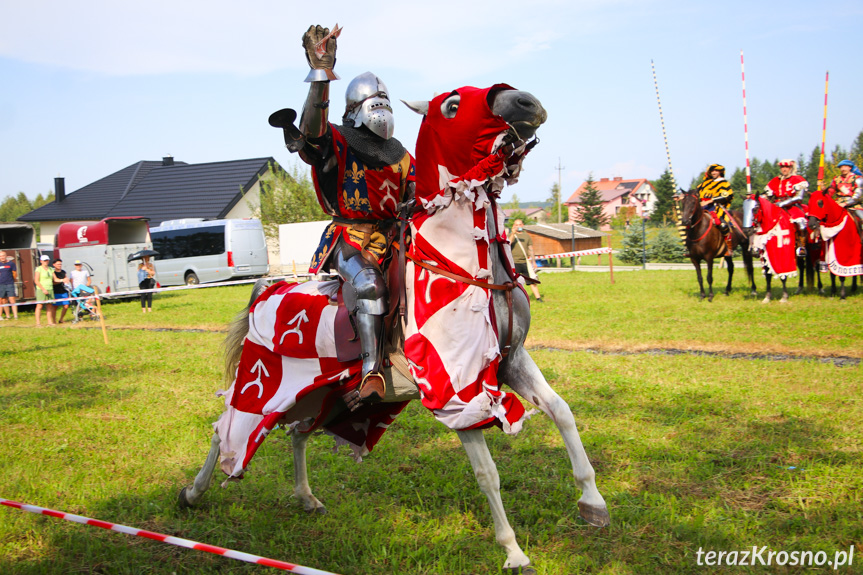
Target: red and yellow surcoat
362, 194
843, 187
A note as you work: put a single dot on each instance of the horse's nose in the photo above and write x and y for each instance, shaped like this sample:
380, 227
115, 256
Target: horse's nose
529, 103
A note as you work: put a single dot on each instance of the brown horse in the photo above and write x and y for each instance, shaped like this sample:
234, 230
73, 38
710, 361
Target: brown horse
705, 243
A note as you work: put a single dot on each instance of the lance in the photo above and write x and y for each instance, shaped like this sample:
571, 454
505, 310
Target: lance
823, 133
745, 129
680, 229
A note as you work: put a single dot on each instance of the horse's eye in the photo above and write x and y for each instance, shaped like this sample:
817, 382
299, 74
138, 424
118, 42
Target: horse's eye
820, 203
449, 107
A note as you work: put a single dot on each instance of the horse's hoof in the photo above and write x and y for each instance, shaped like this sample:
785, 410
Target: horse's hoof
316, 511
523, 570
182, 500
798, 291
596, 516
784, 299
766, 300
710, 297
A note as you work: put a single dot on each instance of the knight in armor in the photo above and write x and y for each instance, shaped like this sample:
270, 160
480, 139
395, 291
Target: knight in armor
716, 194
847, 187
363, 177
788, 191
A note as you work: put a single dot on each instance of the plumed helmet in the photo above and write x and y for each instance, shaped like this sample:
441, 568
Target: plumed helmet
367, 103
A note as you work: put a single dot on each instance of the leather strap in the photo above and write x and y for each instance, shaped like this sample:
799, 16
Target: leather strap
507, 287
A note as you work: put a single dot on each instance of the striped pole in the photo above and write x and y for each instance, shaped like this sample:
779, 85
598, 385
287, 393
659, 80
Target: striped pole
248, 558
823, 133
680, 229
745, 129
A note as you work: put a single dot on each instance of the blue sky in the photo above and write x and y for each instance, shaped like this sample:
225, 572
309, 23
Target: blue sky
87, 89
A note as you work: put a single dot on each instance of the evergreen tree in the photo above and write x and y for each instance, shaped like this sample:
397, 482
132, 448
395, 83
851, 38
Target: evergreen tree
857, 146
811, 170
663, 209
588, 210
287, 198
665, 247
633, 247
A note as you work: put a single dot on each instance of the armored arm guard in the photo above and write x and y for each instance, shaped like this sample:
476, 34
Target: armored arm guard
857, 197
320, 47
799, 192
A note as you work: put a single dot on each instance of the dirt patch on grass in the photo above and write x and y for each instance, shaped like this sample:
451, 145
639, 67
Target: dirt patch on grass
727, 351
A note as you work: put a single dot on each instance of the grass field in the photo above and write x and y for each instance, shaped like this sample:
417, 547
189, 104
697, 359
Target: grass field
691, 452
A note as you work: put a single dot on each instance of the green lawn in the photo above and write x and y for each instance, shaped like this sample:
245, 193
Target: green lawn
690, 452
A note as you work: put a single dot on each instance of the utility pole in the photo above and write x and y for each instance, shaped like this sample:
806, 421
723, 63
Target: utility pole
559, 169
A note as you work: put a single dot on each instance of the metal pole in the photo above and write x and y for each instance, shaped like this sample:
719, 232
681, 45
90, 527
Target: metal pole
559, 169
745, 129
823, 134
572, 248
610, 259
643, 244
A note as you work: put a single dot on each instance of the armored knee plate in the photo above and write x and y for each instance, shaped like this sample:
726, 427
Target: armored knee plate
364, 290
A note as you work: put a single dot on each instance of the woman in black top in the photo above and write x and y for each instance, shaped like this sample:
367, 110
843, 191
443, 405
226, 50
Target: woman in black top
60, 290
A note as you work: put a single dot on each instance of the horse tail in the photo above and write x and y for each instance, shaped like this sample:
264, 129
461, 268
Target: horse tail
237, 331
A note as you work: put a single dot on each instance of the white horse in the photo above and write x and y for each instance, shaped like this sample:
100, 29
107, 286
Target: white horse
524, 114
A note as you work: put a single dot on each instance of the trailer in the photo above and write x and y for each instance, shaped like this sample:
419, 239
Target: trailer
104, 247
18, 240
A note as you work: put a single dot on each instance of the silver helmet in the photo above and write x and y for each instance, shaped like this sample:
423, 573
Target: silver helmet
367, 103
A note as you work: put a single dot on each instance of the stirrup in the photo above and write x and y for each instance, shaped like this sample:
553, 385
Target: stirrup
372, 392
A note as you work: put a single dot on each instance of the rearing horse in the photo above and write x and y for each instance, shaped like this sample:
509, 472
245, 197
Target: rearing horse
705, 242
458, 249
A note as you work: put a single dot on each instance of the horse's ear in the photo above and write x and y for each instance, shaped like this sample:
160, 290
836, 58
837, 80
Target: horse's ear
421, 107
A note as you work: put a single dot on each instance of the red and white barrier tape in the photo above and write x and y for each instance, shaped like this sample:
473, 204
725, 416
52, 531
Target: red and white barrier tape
105, 296
576, 254
179, 542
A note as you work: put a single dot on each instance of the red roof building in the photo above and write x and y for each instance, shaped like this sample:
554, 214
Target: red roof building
617, 194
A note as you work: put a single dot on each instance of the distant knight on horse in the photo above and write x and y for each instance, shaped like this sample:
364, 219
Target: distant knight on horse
716, 195
788, 191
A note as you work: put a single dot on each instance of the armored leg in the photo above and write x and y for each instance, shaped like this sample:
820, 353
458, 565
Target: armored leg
364, 292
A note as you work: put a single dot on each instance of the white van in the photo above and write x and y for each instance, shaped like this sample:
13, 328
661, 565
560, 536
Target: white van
193, 251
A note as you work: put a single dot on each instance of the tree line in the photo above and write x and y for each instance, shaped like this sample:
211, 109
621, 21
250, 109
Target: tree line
13, 207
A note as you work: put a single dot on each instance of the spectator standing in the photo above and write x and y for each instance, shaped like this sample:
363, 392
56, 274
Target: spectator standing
522, 254
8, 275
61, 291
43, 279
146, 280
